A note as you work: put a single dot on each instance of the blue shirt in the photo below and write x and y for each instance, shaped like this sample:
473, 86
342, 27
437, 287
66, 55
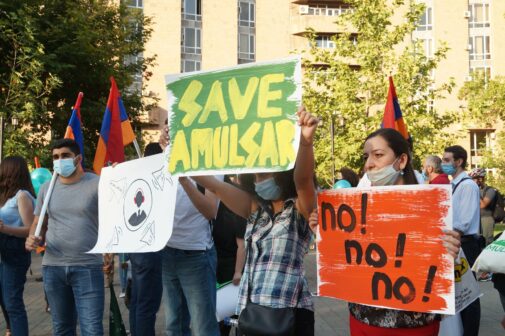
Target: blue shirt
9, 212
466, 205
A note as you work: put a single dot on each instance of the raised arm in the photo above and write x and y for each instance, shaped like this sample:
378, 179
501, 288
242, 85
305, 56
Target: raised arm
237, 200
304, 166
206, 203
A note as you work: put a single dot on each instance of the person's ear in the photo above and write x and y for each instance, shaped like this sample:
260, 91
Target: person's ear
404, 158
78, 160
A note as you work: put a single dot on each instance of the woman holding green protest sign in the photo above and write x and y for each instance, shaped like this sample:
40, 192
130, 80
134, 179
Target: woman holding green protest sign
387, 162
274, 294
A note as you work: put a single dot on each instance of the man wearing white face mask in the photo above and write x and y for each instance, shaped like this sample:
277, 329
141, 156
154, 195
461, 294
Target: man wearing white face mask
73, 279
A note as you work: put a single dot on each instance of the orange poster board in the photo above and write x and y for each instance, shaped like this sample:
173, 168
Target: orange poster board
382, 247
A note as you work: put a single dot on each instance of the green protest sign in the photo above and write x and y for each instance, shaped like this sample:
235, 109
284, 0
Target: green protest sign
240, 119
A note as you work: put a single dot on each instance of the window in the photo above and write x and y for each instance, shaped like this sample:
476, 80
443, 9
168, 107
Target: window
426, 20
325, 41
327, 11
480, 141
480, 48
479, 15
483, 70
134, 61
246, 47
191, 43
246, 14
427, 45
190, 65
134, 3
192, 10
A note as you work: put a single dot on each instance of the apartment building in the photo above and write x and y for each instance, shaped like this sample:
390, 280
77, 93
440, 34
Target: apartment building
192, 35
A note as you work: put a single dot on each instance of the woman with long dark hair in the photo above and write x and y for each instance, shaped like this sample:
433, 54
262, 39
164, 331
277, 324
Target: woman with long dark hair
277, 233
388, 162
16, 217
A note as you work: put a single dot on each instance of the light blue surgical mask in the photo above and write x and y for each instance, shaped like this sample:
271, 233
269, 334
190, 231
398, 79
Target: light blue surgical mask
268, 189
384, 176
448, 168
64, 167
424, 176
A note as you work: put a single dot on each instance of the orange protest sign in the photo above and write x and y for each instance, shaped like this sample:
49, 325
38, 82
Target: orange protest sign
382, 247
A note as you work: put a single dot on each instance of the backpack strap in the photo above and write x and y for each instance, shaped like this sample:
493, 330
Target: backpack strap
457, 184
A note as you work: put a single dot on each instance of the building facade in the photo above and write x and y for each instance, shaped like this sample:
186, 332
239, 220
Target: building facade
192, 35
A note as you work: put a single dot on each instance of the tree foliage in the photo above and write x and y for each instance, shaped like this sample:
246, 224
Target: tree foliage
25, 84
80, 44
485, 99
348, 84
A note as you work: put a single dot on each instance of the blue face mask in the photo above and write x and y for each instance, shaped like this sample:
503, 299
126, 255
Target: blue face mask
64, 167
268, 189
448, 168
424, 176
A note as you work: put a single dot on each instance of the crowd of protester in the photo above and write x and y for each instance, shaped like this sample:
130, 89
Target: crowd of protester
253, 230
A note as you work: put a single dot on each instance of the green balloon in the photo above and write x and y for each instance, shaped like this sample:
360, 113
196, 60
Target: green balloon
40, 176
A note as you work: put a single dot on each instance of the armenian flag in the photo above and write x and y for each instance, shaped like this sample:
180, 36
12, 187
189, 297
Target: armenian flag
393, 117
74, 128
116, 131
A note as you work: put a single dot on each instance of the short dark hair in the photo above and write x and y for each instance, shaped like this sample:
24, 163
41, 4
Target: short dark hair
153, 148
68, 143
458, 152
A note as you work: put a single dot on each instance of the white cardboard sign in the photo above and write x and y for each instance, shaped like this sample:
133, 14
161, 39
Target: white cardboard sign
136, 201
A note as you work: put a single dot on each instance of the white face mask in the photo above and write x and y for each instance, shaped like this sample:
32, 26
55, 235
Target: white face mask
384, 176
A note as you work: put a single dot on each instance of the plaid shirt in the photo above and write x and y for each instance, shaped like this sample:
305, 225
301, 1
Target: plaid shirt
278, 247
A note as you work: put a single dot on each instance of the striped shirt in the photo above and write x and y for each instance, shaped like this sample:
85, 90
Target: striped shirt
278, 246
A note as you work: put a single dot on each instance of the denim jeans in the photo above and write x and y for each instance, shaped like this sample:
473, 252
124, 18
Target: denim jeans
75, 291
146, 292
13, 270
123, 272
189, 285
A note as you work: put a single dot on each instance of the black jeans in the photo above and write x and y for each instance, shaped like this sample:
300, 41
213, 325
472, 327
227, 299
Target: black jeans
470, 316
304, 322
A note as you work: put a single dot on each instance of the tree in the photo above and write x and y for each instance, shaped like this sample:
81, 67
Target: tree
24, 82
348, 84
485, 108
84, 43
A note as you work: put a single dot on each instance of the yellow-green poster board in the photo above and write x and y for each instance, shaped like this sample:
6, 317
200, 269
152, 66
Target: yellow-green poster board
236, 120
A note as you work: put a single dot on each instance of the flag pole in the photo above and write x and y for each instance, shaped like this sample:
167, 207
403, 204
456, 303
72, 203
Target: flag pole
137, 148
44, 206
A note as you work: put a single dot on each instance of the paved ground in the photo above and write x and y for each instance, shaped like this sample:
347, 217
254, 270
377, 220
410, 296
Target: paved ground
331, 315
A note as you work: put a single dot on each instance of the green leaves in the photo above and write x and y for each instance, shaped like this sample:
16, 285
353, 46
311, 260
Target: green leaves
52, 49
348, 84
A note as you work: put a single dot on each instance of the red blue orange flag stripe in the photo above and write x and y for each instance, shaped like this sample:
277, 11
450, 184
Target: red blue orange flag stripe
74, 128
393, 117
116, 131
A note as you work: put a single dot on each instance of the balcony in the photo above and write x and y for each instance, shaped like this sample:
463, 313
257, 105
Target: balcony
319, 17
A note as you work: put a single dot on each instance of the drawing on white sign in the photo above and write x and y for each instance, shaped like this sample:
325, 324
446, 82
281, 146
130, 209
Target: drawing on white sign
136, 206
118, 189
148, 234
159, 178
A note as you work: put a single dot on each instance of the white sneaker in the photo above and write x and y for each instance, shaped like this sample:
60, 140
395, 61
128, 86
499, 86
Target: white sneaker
122, 294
